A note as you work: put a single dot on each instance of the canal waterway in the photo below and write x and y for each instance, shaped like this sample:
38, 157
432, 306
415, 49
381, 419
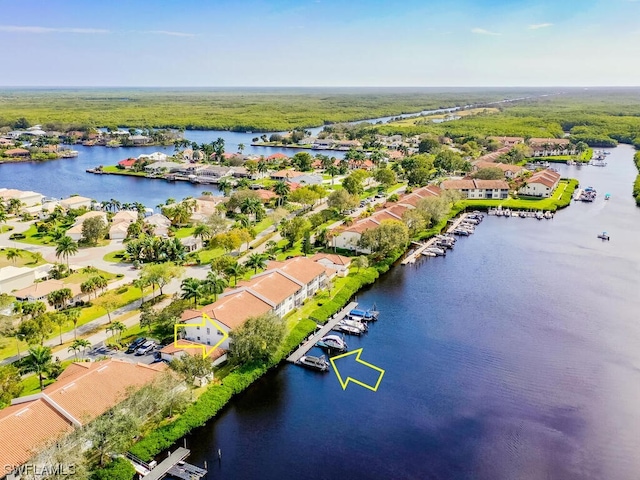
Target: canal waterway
515, 357
64, 177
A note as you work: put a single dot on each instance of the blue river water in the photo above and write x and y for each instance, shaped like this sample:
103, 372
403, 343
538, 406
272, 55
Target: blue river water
515, 357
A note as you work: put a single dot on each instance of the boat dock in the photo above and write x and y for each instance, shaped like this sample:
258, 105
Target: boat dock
173, 465
325, 330
415, 254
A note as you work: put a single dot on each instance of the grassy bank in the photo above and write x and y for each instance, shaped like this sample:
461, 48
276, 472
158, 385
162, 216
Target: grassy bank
636, 184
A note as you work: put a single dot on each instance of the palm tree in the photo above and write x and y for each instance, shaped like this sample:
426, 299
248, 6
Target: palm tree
118, 328
38, 362
141, 283
252, 206
73, 314
13, 254
256, 261
333, 171
215, 283
224, 185
191, 289
202, 231
271, 249
3, 216
66, 247
243, 220
281, 189
234, 271
36, 257
77, 345
241, 148
262, 167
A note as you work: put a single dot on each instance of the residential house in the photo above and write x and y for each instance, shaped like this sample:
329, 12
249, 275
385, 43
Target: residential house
154, 157
81, 393
39, 291
13, 278
308, 179
76, 202
508, 141
541, 184
339, 263
17, 153
544, 147
348, 144
277, 157
509, 170
496, 189
230, 311
492, 156
323, 144
159, 167
265, 195
159, 223
120, 224
183, 347
128, 163
284, 175
75, 232
216, 172
304, 270
139, 139
28, 198
191, 243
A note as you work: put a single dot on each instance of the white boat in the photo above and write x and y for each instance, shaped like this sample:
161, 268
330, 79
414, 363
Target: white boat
604, 236
438, 251
362, 326
314, 363
348, 329
332, 342
426, 253
548, 215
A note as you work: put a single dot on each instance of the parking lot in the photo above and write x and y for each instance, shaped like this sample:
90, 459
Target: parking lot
100, 351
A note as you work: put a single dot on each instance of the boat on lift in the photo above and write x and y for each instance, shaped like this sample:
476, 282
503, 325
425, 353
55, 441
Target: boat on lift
314, 363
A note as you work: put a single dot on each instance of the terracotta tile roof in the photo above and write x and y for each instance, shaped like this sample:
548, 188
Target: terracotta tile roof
287, 174
265, 195
232, 309
551, 141
128, 162
363, 225
41, 289
125, 216
475, 184
26, 427
302, 269
458, 184
272, 285
277, 156
90, 392
172, 349
333, 258
84, 391
12, 152
547, 178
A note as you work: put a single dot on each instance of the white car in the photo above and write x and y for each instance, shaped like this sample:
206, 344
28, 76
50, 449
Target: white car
146, 347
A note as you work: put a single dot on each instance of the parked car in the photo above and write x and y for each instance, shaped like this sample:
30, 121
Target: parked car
135, 344
381, 195
146, 347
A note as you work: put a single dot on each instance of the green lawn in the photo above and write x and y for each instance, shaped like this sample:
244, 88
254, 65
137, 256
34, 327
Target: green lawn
116, 257
26, 259
33, 237
115, 170
80, 276
262, 225
31, 384
184, 232
207, 255
5, 228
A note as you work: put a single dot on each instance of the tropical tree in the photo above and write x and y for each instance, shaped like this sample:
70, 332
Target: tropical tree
117, 328
256, 261
65, 247
73, 315
258, 339
236, 270
108, 301
10, 384
60, 319
39, 362
77, 345
13, 254
215, 284
225, 186
360, 262
191, 289
202, 231
59, 298
281, 189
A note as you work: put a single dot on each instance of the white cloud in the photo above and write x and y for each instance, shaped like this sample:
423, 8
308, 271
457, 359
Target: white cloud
33, 29
540, 25
482, 31
170, 33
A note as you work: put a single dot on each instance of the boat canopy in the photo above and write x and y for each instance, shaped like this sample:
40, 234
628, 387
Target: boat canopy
361, 313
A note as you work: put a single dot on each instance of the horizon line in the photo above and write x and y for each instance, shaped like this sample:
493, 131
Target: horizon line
317, 86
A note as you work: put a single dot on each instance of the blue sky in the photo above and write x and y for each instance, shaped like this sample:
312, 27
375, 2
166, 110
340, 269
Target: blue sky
320, 43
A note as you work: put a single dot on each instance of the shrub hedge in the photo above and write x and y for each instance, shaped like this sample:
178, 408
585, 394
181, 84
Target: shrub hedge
118, 469
636, 184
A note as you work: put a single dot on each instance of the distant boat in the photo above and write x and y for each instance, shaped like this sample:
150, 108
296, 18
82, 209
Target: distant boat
607, 196
604, 236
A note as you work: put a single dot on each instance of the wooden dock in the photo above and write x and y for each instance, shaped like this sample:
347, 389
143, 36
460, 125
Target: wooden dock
326, 328
173, 465
413, 256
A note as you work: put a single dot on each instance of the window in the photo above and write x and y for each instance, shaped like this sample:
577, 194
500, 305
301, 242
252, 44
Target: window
208, 331
198, 338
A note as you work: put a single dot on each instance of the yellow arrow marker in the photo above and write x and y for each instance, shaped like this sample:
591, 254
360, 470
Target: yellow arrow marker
344, 383
206, 349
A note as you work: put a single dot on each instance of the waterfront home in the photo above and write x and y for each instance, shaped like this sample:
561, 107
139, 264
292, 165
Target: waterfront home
265, 196
6, 142
127, 163
81, 393
544, 147
17, 153
154, 157
338, 263
492, 156
305, 271
40, 290
230, 311
509, 171
323, 144
191, 243
26, 197
182, 347
474, 188
348, 144
308, 179
277, 157
13, 278
120, 224
159, 167
76, 202
216, 172
139, 139
540, 184
159, 224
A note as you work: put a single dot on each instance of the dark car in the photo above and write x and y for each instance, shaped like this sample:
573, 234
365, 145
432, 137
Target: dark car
135, 344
